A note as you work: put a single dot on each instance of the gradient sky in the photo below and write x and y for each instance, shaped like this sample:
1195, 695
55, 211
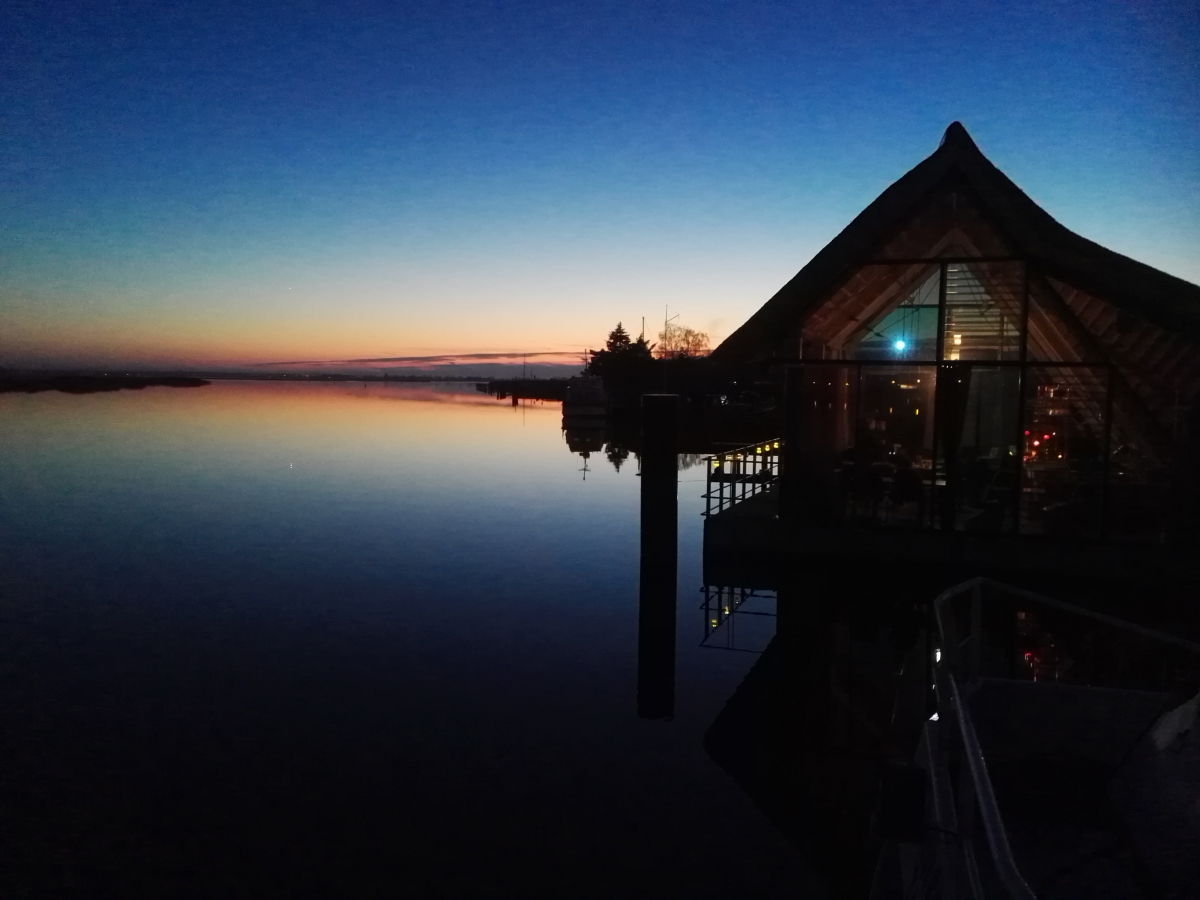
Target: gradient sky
250, 182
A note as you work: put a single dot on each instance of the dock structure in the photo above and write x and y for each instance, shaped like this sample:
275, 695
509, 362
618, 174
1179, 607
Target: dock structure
970, 384
525, 388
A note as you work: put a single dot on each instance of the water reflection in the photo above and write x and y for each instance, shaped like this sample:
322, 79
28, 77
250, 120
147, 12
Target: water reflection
616, 455
809, 730
618, 443
733, 617
327, 639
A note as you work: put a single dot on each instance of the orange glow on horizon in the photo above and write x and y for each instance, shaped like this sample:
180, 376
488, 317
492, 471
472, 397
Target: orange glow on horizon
196, 332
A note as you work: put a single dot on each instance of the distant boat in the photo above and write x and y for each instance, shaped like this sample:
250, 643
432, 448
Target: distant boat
585, 399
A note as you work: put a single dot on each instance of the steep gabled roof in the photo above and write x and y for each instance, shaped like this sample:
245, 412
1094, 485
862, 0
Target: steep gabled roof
1133, 287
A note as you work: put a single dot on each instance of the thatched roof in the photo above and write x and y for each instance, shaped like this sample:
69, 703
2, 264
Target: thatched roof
1136, 290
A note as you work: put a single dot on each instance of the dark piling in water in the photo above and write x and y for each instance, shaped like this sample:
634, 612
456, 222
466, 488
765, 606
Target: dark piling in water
656, 607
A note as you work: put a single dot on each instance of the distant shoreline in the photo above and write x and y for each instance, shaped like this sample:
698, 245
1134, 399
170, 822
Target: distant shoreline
90, 384
19, 379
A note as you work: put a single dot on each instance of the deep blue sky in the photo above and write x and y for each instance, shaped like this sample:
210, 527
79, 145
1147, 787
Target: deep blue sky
250, 182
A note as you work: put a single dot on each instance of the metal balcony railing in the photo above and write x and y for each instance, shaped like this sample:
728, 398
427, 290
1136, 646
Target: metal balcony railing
737, 475
974, 858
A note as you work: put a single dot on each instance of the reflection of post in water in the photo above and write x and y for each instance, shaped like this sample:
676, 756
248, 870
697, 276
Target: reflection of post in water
656, 606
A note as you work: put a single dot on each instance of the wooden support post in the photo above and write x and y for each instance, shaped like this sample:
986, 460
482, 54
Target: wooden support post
656, 606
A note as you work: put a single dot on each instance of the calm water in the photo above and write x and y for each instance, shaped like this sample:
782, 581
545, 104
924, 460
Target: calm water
336, 640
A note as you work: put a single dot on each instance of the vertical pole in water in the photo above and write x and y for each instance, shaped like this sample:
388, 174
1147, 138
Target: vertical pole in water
656, 606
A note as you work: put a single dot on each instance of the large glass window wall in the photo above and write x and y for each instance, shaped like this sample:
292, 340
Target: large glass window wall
969, 404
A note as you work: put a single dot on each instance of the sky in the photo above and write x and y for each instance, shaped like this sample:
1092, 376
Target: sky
218, 184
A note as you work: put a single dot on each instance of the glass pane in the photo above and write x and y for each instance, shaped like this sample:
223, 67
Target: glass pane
821, 406
884, 476
1139, 497
983, 311
977, 453
904, 329
1063, 457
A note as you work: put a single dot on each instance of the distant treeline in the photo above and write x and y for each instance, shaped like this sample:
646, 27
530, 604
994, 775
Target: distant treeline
89, 384
17, 380
337, 376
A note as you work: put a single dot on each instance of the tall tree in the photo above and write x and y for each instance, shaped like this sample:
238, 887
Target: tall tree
618, 340
622, 358
679, 340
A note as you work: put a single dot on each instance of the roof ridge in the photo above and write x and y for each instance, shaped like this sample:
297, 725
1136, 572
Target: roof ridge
1057, 251
956, 135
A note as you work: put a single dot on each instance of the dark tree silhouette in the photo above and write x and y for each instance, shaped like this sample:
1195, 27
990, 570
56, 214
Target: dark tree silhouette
618, 340
616, 455
621, 358
626, 365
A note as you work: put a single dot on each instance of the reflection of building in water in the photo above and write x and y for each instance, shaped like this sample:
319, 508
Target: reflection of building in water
808, 731
737, 618
585, 440
585, 410
585, 437
959, 361
593, 435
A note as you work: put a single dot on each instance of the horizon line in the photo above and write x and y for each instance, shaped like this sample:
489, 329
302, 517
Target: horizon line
434, 359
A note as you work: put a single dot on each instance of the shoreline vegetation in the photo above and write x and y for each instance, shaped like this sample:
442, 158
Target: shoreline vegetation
90, 384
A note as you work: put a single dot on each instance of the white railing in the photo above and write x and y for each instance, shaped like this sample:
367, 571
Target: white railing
980, 863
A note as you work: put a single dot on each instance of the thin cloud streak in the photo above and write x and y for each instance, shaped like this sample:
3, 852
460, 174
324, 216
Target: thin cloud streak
551, 356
